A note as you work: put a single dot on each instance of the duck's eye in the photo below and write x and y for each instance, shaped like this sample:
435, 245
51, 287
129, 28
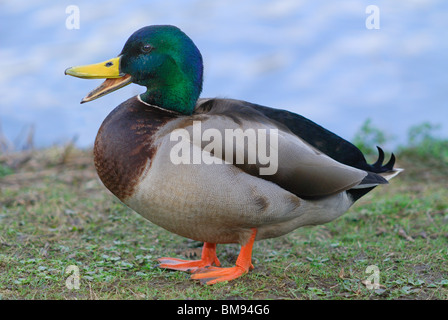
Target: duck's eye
146, 48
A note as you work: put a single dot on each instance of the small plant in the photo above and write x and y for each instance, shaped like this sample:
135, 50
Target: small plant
4, 170
368, 137
423, 142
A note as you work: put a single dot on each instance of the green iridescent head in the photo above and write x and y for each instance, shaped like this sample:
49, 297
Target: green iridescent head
162, 58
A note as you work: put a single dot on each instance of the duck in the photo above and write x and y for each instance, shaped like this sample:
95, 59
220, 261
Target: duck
216, 170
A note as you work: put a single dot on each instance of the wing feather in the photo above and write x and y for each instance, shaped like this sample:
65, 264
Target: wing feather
303, 169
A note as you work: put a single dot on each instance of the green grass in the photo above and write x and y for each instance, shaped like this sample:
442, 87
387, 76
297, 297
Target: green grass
55, 213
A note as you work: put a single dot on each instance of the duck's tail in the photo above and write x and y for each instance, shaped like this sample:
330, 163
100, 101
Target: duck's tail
391, 174
380, 174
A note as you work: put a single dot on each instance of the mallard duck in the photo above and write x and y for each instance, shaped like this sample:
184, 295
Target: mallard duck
167, 154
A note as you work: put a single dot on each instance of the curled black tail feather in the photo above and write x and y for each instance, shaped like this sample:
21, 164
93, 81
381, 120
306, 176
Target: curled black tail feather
378, 166
380, 160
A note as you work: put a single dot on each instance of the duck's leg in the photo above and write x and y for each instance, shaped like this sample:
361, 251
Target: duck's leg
213, 275
208, 258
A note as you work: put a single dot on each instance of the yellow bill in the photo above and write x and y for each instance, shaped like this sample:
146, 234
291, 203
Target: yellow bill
109, 69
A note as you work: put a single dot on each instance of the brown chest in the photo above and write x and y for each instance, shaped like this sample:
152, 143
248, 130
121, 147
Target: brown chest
125, 144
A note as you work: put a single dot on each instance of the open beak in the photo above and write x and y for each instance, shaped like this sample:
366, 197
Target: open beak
109, 69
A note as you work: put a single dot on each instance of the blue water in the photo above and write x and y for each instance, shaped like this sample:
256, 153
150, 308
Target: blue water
312, 57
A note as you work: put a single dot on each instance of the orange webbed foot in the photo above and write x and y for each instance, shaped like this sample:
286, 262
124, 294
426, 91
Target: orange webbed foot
208, 258
212, 275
